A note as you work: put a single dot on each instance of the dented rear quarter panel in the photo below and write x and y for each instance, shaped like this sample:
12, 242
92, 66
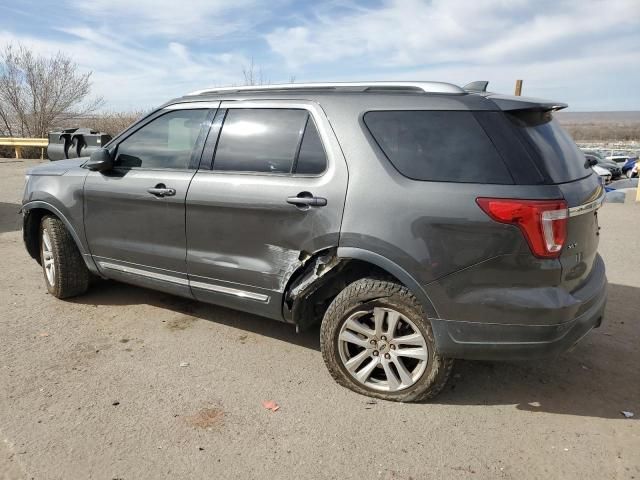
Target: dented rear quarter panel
433, 230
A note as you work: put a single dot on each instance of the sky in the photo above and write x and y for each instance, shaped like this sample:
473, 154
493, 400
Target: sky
144, 52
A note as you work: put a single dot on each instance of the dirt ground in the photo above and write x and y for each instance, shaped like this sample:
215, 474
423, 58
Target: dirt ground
127, 383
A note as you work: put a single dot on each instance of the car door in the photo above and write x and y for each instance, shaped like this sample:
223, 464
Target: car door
135, 213
273, 194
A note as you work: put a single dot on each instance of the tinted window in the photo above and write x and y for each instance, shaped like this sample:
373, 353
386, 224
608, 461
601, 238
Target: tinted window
556, 150
166, 142
259, 140
312, 159
438, 146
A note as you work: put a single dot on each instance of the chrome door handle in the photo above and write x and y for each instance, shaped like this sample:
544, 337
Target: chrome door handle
161, 191
307, 201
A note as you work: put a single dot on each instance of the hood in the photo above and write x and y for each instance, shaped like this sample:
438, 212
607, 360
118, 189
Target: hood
57, 168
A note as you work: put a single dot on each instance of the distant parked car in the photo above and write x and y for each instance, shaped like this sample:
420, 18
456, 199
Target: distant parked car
603, 173
619, 158
610, 165
630, 169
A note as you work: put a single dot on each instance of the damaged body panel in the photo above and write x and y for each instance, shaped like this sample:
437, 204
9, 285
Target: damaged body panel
244, 234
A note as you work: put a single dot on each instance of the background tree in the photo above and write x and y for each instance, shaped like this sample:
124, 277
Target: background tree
252, 75
38, 93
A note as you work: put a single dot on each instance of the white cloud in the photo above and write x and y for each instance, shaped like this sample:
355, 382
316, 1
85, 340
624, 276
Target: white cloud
566, 48
171, 18
132, 76
408, 32
143, 52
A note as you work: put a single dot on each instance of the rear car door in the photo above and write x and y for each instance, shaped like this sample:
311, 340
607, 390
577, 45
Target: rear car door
135, 213
273, 195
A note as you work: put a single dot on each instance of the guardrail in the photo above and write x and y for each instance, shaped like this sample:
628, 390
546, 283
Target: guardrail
19, 143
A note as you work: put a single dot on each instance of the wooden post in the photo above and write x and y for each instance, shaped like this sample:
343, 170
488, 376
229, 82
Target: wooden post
18, 151
518, 88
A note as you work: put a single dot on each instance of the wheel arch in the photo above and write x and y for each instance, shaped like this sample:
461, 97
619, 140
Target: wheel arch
328, 272
34, 212
393, 269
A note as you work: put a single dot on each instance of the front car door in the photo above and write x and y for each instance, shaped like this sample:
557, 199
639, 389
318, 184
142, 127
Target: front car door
248, 225
135, 213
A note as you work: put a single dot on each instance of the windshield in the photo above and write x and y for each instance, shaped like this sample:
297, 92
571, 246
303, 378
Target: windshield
557, 152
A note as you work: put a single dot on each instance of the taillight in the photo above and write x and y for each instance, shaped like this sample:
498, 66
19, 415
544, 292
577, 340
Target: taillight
543, 222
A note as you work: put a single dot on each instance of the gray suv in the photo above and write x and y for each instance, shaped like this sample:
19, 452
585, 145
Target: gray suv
418, 222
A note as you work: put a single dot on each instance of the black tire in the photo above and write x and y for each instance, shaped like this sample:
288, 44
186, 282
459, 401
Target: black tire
366, 294
71, 276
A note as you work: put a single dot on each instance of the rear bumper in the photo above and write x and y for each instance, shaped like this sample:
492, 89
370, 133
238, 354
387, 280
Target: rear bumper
499, 341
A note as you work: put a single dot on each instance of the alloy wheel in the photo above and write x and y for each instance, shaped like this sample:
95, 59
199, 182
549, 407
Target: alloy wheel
47, 259
383, 349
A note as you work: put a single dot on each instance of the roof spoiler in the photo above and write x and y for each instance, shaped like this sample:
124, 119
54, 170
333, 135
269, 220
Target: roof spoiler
511, 102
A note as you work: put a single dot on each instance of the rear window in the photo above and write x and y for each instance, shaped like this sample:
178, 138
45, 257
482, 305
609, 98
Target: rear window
439, 146
556, 151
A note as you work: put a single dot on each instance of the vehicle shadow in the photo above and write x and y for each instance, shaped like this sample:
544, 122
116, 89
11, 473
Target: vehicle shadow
599, 378
106, 292
10, 220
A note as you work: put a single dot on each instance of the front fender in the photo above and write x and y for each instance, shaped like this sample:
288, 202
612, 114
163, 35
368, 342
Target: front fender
28, 207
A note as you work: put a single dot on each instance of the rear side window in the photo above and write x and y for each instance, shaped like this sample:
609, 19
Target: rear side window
441, 146
556, 151
260, 140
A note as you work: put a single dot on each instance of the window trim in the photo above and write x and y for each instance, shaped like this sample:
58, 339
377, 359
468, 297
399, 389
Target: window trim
381, 151
198, 147
313, 112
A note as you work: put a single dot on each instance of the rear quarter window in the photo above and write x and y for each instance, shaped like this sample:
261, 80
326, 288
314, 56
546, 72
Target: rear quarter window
554, 149
443, 146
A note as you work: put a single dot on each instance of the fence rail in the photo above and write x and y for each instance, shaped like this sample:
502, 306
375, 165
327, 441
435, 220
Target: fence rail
19, 143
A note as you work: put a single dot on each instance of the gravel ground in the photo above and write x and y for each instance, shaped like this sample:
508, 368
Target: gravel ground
128, 383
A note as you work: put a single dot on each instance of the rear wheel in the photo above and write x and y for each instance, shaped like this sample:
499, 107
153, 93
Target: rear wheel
65, 272
376, 340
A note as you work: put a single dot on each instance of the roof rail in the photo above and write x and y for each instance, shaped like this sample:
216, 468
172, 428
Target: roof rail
425, 87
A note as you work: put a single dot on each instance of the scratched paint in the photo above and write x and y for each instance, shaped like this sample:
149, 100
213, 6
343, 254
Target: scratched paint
284, 262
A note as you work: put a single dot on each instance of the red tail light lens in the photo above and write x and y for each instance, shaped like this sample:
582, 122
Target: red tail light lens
543, 222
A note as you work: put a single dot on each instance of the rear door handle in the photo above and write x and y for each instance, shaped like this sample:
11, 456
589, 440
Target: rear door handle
161, 190
305, 201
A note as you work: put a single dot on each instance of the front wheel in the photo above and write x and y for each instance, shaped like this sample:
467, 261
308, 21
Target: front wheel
65, 272
376, 340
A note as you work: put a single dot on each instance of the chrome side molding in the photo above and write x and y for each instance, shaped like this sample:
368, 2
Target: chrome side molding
258, 297
144, 273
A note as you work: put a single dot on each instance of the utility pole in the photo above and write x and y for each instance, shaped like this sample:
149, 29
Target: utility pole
518, 88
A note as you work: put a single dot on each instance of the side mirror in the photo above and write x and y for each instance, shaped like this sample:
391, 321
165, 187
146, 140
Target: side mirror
100, 161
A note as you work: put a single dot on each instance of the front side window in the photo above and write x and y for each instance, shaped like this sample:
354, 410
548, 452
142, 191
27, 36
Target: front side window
165, 142
442, 146
269, 140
